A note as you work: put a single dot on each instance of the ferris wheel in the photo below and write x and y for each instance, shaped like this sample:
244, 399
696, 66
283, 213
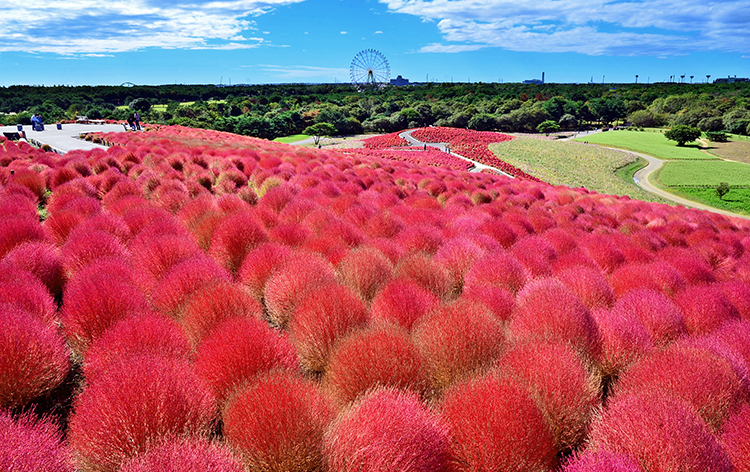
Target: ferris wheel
370, 67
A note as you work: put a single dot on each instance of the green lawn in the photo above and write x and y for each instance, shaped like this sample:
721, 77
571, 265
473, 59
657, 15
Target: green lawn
737, 200
694, 173
650, 142
291, 139
574, 165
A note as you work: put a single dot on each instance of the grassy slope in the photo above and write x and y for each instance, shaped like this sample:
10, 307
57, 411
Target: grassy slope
650, 142
697, 173
737, 200
572, 164
291, 139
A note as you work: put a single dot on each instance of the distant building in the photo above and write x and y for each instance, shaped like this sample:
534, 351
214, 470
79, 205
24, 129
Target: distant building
534, 81
399, 81
731, 80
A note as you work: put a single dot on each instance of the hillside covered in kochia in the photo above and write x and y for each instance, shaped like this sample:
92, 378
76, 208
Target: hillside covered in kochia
196, 300
269, 111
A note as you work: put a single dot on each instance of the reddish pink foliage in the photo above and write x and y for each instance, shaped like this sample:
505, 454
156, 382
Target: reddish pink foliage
703, 380
499, 269
59, 225
276, 424
536, 255
83, 248
147, 334
495, 425
22, 291
259, 264
589, 285
499, 301
690, 264
387, 430
15, 231
171, 292
662, 318
156, 255
402, 302
42, 260
659, 433
738, 294
322, 316
658, 276
373, 357
624, 340
549, 311
234, 237
34, 358
31, 180
601, 461
28, 444
139, 402
97, 297
189, 455
735, 438
384, 141
213, 303
238, 350
735, 335
302, 272
365, 270
704, 308
429, 274
457, 341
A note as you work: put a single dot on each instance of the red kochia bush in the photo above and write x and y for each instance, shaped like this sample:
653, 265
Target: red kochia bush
190, 455
559, 381
549, 311
42, 260
659, 315
589, 285
660, 433
658, 276
735, 437
84, 247
28, 444
301, 273
234, 236
458, 340
624, 340
495, 425
365, 270
152, 333
276, 424
402, 302
499, 269
498, 300
429, 274
704, 308
156, 255
34, 358
387, 430
322, 316
21, 290
238, 350
139, 402
172, 290
602, 461
259, 264
698, 377
96, 297
213, 303
372, 357
15, 231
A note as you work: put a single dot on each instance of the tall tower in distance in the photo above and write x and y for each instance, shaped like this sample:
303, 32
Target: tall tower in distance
542, 77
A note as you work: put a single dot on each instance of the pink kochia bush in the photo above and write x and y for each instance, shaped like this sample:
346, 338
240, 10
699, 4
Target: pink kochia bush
387, 430
402, 302
277, 422
735, 438
34, 358
28, 444
661, 434
139, 402
495, 425
188, 455
601, 462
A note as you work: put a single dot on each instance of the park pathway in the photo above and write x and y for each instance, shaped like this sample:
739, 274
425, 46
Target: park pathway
65, 139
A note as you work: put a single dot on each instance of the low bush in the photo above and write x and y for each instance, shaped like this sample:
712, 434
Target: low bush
402, 302
29, 444
662, 318
233, 237
600, 462
735, 438
42, 260
194, 454
365, 270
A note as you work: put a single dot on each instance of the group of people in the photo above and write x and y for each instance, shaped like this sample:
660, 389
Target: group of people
134, 121
36, 122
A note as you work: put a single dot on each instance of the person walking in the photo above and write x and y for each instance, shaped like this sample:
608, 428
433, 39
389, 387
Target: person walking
137, 119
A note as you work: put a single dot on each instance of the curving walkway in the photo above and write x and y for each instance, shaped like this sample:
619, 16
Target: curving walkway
478, 166
65, 139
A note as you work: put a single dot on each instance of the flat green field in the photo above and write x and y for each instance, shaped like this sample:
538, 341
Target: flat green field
291, 139
573, 164
695, 173
650, 142
737, 200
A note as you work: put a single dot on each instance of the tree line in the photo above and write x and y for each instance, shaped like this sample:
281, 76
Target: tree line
269, 111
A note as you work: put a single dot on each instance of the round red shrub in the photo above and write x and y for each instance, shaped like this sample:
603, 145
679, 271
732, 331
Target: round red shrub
658, 276
302, 272
603, 250
602, 461
738, 294
277, 424
83, 248
662, 318
380, 356
259, 264
499, 269
735, 438
562, 385
365, 270
700, 378
429, 274
457, 341
661, 434
536, 254
402, 302
624, 340
22, 291
238, 350
234, 236
15, 231
31, 180
171, 292
495, 425
322, 316
59, 225
457, 256
549, 311
387, 430
156, 255
194, 454
42, 260
704, 308
150, 333
690, 264
498, 300
589, 285
28, 444
139, 402
34, 358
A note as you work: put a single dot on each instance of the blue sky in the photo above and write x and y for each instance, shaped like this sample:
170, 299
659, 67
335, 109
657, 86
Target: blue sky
81, 42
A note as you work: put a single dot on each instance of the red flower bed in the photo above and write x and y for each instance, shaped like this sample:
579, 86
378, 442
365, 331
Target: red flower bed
384, 141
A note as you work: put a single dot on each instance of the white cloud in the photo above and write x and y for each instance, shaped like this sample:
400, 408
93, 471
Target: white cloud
343, 32
302, 72
94, 27
593, 27
378, 32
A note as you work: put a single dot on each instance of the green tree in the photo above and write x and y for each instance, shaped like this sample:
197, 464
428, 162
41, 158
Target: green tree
722, 189
319, 130
682, 134
140, 104
483, 122
547, 127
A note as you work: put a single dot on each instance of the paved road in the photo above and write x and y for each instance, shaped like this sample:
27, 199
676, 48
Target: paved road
66, 139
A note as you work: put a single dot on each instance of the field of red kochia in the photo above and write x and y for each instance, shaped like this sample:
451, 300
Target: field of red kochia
195, 300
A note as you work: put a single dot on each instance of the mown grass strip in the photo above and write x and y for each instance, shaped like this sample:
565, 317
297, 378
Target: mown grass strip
648, 142
702, 173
